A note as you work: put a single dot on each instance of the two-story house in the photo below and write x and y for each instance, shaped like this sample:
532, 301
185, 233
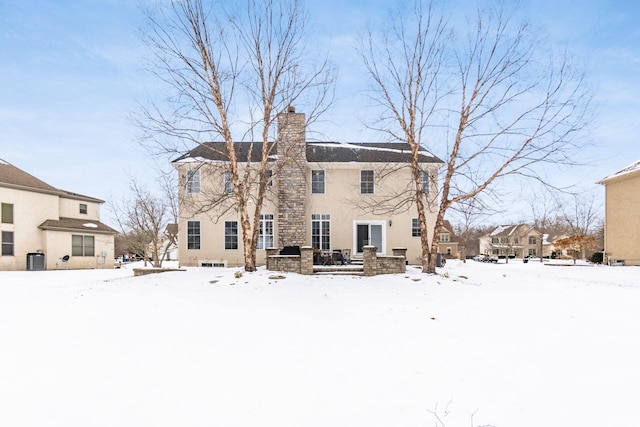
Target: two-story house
447, 241
513, 241
327, 195
622, 215
43, 227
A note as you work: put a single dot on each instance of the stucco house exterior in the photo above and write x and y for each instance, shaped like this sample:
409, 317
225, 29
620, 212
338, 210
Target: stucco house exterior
519, 241
622, 215
43, 227
327, 195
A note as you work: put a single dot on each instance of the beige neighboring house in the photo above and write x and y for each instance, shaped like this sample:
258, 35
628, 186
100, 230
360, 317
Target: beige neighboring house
42, 226
622, 216
515, 241
448, 242
324, 196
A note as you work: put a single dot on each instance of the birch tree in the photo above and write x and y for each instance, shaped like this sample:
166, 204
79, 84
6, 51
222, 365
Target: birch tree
230, 67
488, 93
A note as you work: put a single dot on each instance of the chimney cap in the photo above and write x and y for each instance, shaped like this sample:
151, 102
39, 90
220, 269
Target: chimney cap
291, 109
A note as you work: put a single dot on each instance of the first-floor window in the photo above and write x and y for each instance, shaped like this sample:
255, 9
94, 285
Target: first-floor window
7, 243
532, 252
321, 231
231, 234
193, 234
265, 237
415, 228
82, 245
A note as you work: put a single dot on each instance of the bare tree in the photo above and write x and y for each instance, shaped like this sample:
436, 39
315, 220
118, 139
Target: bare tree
490, 99
231, 68
582, 215
544, 210
468, 229
145, 221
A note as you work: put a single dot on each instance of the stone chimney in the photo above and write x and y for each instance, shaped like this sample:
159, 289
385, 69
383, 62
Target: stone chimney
292, 179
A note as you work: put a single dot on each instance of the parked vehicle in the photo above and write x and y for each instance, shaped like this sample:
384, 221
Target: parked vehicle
486, 258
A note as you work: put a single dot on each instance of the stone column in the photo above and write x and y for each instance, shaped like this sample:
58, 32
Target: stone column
270, 252
292, 179
369, 260
306, 260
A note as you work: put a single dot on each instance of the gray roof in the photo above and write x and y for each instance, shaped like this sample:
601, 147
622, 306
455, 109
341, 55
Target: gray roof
318, 152
12, 176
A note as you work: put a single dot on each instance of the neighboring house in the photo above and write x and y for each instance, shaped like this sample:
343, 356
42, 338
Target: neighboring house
553, 251
41, 224
519, 241
447, 241
327, 195
171, 233
622, 215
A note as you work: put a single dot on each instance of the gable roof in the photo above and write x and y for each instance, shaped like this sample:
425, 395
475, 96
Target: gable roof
14, 177
633, 167
317, 152
509, 230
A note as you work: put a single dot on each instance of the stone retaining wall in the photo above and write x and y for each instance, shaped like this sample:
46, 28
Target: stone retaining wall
145, 271
373, 264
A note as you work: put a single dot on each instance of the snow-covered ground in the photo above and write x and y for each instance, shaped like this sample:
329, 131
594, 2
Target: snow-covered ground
511, 345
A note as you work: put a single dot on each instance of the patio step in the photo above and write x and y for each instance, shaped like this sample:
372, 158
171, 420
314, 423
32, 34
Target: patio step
354, 270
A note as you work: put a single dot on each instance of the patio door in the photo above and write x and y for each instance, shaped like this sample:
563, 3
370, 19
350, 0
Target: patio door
369, 233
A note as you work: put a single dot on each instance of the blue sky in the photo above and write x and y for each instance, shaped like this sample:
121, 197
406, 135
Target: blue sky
71, 72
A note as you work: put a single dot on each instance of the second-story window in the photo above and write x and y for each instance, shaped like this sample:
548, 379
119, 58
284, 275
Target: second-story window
424, 181
366, 182
268, 176
193, 181
83, 208
317, 181
532, 240
7, 213
228, 185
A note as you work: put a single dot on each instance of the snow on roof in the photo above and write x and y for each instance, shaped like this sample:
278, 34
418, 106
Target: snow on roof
635, 166
499, 229
369, 147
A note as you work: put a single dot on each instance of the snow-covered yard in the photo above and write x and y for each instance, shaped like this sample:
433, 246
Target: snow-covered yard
513, 345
